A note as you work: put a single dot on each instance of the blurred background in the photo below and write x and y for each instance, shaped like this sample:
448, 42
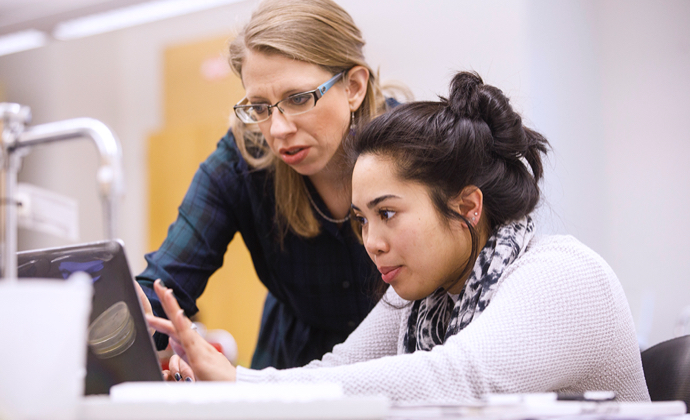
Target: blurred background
607, 82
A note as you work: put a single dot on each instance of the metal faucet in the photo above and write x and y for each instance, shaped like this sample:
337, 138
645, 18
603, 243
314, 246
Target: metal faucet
17, 139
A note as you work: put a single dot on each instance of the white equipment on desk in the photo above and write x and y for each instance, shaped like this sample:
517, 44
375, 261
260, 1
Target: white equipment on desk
226, 401
43, 351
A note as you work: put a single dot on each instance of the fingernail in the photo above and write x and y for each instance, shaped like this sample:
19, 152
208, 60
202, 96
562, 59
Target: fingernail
188, 379
178, 377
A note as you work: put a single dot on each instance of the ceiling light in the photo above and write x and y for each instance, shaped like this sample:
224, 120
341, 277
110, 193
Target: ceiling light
22, 41
131, 16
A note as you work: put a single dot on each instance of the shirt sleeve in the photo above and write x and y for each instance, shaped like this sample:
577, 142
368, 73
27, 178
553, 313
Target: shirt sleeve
549, 326
196, 242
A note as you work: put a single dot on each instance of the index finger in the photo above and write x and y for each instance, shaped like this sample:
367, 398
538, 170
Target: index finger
145, 303
181, 324
161, 325
143, 298
168, 301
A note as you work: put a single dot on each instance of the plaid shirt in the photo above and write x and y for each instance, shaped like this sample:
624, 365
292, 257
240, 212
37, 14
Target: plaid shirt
318, 291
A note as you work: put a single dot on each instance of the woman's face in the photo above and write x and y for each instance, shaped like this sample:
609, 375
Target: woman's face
414, 249
307, 142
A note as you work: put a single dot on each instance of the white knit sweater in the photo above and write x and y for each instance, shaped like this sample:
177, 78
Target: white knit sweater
559, 321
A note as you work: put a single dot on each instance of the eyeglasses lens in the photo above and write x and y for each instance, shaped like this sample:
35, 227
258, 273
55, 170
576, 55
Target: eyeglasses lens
254, 113
292, 105
297, 104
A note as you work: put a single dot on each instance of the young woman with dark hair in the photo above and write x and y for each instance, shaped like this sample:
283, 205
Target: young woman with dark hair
478, 303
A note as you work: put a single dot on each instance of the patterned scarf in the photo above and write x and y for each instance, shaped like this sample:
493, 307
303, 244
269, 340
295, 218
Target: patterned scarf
437, 317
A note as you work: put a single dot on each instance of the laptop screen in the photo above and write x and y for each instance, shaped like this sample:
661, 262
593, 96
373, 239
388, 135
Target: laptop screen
120, 348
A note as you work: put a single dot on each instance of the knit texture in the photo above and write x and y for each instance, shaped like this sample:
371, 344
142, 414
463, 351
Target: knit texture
559, 321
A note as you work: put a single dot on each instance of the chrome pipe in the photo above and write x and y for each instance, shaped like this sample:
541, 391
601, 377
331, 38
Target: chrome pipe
15, 117
17, 139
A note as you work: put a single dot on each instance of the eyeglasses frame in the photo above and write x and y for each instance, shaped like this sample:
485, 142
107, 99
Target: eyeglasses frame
318, 93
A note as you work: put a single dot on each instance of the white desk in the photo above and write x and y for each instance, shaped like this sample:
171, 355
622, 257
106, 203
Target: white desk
217, 401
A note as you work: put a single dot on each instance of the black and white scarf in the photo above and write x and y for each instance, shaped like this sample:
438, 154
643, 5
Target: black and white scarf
435, 318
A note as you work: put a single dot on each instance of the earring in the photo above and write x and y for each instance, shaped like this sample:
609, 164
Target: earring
352, 122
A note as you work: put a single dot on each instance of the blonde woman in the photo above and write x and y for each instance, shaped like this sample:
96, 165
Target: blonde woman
278, 179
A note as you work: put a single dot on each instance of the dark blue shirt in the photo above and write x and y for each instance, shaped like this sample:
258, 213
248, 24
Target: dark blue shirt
318, 288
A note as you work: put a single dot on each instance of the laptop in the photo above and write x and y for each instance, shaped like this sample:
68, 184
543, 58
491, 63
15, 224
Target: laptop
120, 348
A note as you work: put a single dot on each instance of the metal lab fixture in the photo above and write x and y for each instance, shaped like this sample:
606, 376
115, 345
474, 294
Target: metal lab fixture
18, 138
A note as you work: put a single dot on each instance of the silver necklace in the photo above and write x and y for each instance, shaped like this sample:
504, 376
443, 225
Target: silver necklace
313, 204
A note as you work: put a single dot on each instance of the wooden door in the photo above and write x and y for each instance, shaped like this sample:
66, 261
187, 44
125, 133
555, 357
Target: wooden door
199, 92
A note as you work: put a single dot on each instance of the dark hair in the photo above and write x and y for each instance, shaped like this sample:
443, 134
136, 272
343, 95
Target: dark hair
472, 138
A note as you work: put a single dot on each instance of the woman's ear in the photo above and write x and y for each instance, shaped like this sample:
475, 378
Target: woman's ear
469, 203
356, 86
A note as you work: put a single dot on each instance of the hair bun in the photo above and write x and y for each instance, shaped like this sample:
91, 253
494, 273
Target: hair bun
509, 140
463, 98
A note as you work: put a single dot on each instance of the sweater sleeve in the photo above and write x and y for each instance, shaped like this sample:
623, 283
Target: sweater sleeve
548, 328
374, 338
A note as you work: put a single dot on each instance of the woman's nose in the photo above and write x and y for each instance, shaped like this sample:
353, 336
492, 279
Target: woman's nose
374, 242
280, 126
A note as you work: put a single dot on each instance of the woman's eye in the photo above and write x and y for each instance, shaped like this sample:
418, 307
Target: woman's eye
362, 220
260, 109
386, 214
299, 100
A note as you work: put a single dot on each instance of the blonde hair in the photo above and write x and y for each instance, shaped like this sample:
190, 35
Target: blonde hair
314, 31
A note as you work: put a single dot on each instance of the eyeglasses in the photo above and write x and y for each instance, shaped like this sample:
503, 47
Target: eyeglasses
296, 104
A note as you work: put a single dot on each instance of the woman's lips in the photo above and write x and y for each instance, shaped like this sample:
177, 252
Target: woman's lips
389, 273
294, 155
